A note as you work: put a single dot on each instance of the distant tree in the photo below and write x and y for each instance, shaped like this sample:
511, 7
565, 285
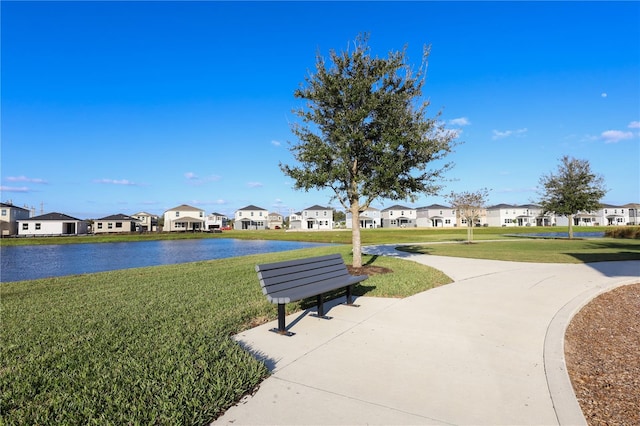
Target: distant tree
364, 132
469, 206
339, 216
573, 188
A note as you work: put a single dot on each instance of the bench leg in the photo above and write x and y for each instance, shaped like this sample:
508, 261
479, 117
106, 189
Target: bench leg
320, 313
282, 329
350, 297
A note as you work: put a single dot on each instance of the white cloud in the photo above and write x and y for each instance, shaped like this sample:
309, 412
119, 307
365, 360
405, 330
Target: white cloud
24, 179
190, 175
604, 94
462, 121
14, 189
275, 143
116, 182
615, 136
196, 180
255, 184
634, 125
501, 134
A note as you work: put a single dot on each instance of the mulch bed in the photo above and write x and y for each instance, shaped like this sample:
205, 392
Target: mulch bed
602, 353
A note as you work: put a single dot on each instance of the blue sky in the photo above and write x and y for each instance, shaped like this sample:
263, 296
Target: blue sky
121, 107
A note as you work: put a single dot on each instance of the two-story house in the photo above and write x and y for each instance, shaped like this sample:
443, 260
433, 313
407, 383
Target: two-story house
184, 218
513, 215
398, 216
369, 218
9, 216
148, 222
275, 221
216, 221
317, 217
611, 215
436, 216
116, 223
251, 217
51, 224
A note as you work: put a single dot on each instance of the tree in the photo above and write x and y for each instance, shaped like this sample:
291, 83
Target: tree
572, 189
469, 206
364, 132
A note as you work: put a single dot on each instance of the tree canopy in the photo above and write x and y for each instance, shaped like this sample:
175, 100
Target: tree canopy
364, 132
572, 189
469, 206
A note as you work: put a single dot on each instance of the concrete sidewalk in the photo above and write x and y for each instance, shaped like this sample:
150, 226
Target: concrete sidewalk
484, 350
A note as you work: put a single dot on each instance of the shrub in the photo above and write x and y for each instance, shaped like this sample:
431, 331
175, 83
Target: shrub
631, 232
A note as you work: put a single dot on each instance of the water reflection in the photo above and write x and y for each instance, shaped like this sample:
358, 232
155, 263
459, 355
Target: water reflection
19, 263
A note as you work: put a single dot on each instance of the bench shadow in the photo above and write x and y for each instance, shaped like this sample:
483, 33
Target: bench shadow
259, 355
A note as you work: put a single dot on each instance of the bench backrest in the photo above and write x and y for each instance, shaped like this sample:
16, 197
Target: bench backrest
287, 280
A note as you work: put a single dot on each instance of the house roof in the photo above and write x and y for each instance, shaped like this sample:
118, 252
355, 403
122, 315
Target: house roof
317, 207
434, 206
185, 207
398, 207
251, 207
144, 214
6, 205
118, 216
502, 206
53, 216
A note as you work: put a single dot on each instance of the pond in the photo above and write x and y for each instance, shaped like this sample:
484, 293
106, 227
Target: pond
31, 262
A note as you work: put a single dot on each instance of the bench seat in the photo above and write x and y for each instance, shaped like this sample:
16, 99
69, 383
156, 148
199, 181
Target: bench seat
293, 280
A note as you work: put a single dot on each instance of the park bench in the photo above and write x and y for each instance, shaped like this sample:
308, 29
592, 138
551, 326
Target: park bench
293, 280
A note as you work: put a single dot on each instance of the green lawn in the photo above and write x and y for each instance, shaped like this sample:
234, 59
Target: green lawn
152, 345
148, 345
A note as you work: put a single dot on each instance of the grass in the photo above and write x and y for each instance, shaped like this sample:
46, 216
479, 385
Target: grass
538, 250
152, 345
148, 345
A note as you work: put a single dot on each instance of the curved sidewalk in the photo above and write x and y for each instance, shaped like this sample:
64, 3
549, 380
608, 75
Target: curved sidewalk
484, 350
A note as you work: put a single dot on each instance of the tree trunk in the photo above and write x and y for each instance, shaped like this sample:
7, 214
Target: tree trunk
570, 226
355, 235
469, 232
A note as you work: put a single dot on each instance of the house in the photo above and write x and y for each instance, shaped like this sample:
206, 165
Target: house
52, 224
116, 223
436, 216
295, 220
275, 221
369, 218
215, 221
251, 217
524, 215
398, 217
611, 215
184, 218
317, 218
148, 222
9, 216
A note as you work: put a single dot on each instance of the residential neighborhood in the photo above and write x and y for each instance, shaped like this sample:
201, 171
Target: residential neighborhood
21, 221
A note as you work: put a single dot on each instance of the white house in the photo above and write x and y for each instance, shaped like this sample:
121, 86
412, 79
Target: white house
115, 224
251, 217
370, 218
52, 224
611, 215
183, 218
436, 216
317, 218
512, 215
9, 216
148, 222
215, 221
399, 217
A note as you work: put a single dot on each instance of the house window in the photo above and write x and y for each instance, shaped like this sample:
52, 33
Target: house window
200, 214
447, 221
391, 213
99, 225
118, 224
25, 226
4, 212
38, 226
325, 213
110, 225
251, 214
177, 214
317, 214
